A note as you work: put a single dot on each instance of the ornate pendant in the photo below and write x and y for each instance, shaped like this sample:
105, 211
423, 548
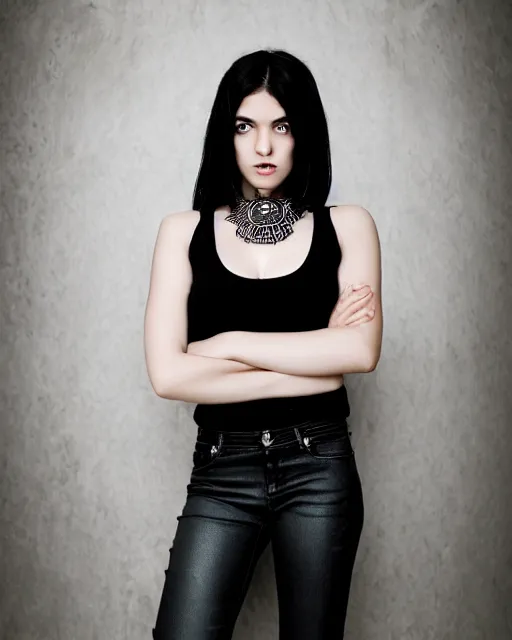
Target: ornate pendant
265, 220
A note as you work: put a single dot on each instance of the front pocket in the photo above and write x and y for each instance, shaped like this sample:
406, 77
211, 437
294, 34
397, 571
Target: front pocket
328, 441
206, 451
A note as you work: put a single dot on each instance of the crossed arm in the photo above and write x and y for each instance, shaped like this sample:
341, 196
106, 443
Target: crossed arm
323, 352
295, 363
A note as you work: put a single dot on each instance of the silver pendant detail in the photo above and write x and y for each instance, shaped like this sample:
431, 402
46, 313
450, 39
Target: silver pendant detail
265, 220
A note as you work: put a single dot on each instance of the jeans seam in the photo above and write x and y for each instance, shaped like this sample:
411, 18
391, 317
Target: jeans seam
249, 570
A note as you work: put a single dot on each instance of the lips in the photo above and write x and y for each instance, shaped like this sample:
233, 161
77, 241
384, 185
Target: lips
265, 165
267, 170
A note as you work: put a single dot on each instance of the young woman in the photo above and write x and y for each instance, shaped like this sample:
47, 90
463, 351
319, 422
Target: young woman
252, 316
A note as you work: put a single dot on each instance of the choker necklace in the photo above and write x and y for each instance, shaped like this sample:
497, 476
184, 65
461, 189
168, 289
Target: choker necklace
265, 220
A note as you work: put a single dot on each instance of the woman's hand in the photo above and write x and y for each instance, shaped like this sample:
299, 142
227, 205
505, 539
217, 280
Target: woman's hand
354, 307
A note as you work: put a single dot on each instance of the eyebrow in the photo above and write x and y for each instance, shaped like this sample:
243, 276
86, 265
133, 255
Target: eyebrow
251, 121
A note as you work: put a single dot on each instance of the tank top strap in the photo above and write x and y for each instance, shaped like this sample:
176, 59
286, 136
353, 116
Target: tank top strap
325, 240
201, 243
320, 215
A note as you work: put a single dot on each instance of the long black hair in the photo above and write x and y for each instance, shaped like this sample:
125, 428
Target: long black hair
292, 84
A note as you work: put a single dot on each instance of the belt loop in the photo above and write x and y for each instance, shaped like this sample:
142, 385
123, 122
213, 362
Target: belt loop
304, 442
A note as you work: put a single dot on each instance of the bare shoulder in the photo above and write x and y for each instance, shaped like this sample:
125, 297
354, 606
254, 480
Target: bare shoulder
351, 215
352, 220
180, 224
181, 219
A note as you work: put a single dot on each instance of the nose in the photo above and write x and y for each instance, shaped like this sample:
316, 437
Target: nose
263, 146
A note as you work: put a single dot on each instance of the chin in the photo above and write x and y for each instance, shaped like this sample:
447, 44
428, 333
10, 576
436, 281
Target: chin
265, 185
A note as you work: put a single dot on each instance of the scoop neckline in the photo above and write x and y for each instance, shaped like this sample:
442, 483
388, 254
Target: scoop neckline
276, 278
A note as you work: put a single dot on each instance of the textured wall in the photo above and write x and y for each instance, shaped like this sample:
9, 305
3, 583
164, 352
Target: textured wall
103, 109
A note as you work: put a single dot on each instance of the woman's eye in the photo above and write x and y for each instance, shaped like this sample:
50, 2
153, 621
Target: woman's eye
245, 124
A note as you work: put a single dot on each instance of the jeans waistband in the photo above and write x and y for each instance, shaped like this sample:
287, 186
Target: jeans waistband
266, 437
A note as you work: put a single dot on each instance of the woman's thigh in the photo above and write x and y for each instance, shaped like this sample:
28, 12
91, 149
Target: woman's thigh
314, 543
210, 566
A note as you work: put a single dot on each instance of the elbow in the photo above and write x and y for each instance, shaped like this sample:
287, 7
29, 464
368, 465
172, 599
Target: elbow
371, 367
159, 389
161, 392
371, 362
165, 379
167, 392
164, 388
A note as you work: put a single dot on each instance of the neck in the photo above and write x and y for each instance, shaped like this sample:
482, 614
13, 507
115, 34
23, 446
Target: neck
250, 192
258, 195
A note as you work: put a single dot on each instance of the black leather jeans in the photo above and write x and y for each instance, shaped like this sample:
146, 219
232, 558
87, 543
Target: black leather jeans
297, 488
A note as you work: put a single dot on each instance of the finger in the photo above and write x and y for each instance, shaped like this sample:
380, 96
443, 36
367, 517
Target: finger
359, 286
356, 323
363, 291
365, 315
347, 307
358, 314
351, 323
348, 289
351, 287
362, 301
357, 318
354, 295
351, 302
363, 294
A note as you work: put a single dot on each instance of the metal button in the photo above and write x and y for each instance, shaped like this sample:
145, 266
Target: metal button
265, 438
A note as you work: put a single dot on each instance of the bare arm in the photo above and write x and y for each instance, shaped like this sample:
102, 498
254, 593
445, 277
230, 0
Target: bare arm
328, 351
320, 352
216, 381
176, 375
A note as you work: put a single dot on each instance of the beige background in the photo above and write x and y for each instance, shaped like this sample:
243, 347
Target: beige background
103, 111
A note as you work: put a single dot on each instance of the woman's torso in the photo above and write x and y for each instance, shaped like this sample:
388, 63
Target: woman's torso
288, 287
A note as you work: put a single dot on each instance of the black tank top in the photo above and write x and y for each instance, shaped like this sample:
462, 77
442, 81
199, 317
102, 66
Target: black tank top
303, 300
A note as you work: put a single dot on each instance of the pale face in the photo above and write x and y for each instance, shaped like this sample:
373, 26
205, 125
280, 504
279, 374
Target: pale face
262, 134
